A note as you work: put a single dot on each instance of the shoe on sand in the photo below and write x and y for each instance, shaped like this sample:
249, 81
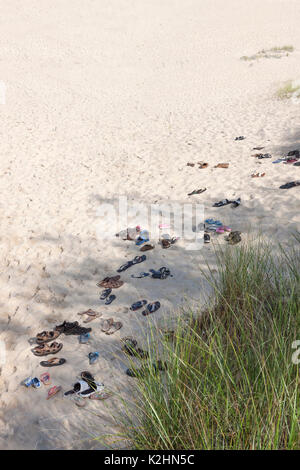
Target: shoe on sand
45, 349
47, 336
54, 361
114, 327
53, 391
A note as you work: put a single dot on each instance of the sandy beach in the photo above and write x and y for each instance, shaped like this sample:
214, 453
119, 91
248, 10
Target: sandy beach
113, 98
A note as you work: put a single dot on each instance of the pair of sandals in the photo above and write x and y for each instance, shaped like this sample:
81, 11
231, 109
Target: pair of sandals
136, 260
162, 273
109, 326
90, 314
167, 242
292, 184
113, 282
105, 295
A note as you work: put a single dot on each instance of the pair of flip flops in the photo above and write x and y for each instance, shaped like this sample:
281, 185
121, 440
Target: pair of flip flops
167, 242
31, 382
241, 137
105, 295
136, 260
53, 391
45, 350
91, 315
225, 202
109, 326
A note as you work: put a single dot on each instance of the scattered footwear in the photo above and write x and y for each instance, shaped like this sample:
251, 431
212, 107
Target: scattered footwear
151, 308
130, 348
53, 391
206, 238
110, 299
44, 349
106, 324
113, 282
234, 238
93, 357
241, 137
147, 247
138, 305
105, 294
54, 361
162, 273
114, 327
47, 336
45, 378
260, 156
197, 191
222, 165
292, 184
73, 328
136, 260
84, 338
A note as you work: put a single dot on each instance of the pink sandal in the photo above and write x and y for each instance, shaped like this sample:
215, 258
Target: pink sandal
53, 391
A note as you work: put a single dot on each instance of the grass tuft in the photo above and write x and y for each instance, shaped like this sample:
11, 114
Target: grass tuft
230, 381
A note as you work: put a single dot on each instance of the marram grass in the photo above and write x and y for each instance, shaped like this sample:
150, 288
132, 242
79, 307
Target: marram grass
230, 381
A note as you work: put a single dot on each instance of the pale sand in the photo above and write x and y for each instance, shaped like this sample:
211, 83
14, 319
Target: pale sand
115, 97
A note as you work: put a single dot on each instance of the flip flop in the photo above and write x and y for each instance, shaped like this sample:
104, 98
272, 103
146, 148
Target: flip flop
106, 324
53, 391
294, 153
292, 184
45, 378
110, 299
138, 305
35, 382
290, 160
54, 361
197, 191
130, 348
224, 202
147, 247
105, 294
90, 313
241, 137
84, 339
47, 336
213, 222
202, 165
45, 350
115, 327
93, 357
151, 308
92, 317
222, 165
162, 273
236, 203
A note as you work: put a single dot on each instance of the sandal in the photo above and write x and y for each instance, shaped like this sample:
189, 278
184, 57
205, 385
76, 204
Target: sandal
197, 191
138, 305
110, 299
105, 294
202, 165
54, 361
292, 184
47, 336
45, 378
111, 282
44, 349
53, 391
151, 308
106, 324
147, 247
115, 327
222, 165
136, 260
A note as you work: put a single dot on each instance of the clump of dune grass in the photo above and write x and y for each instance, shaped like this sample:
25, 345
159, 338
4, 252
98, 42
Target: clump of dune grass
272, 53
288, 90
230, 381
